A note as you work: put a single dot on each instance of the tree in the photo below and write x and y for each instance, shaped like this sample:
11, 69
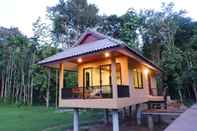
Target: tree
125, 27
110, 25
190, 60
16, 69
71, 18
159, 33
158, 29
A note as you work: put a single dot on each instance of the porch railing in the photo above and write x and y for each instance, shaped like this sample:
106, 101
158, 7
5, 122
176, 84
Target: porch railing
94, 92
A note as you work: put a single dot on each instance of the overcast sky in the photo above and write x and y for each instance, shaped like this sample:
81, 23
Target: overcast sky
21, 13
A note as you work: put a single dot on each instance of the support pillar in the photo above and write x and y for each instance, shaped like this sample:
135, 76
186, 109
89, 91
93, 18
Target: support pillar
125, 113
115, 120
106, 116
61, 81
138, 114
76, 120
130, 111
150, 123
113, 78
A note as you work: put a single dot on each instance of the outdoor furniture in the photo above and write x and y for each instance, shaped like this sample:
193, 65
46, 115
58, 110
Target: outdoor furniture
158, 102
76, 92
159, 112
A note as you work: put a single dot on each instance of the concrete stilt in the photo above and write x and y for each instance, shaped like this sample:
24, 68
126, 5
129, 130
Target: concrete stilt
150, 123
130, 111
76, 120
106, 116
115, 120
138, 114
121, 114
125, 112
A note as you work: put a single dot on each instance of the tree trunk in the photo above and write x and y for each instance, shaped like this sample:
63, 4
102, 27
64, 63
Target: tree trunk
195, 90
180, 95
2, 86
17, 94
24, 88
32, 82
56, 90
48, 89
31, 93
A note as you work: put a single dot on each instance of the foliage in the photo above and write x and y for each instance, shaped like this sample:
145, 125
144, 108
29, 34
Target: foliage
71, 18
167, 35
130, 29
16, 69
125, 27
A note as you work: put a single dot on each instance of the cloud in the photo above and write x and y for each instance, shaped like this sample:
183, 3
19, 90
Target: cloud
22, 13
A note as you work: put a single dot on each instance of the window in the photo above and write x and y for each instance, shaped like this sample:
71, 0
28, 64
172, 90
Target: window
70, 79
137, 79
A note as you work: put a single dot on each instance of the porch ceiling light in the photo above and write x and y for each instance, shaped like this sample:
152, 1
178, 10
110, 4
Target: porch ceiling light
146, 71
79, 60
107, 54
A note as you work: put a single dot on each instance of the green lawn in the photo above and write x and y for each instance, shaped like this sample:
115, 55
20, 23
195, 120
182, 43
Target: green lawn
13, 118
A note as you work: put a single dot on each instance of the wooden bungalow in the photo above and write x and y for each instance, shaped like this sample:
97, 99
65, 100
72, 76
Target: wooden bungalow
110, 75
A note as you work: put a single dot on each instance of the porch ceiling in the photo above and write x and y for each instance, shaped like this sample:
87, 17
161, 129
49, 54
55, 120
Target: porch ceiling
72, 63
67, 65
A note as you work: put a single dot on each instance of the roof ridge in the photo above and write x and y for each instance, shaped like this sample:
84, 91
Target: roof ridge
106, 36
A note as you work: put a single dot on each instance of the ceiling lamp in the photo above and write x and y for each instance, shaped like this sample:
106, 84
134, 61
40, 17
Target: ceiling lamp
107, 54
79, 60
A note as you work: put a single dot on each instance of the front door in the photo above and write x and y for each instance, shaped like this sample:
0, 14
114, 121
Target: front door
87, 78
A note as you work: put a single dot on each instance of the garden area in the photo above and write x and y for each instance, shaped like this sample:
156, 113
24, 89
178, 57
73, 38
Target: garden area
39, 118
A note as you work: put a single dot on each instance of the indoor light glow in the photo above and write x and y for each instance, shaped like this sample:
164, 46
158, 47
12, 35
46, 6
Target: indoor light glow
79, 60
107, 54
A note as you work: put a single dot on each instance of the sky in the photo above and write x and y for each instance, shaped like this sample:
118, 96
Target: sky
22, 13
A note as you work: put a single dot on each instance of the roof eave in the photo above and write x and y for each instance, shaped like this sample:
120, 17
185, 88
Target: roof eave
142, 57
53, 61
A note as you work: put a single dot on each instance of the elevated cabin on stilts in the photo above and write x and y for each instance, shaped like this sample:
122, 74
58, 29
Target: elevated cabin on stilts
110, 75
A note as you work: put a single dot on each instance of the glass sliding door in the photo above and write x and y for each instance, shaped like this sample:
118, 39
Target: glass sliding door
105, 74
106, 83
88, 80
97, 80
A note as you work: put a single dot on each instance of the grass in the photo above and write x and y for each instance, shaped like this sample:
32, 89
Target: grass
13, 118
